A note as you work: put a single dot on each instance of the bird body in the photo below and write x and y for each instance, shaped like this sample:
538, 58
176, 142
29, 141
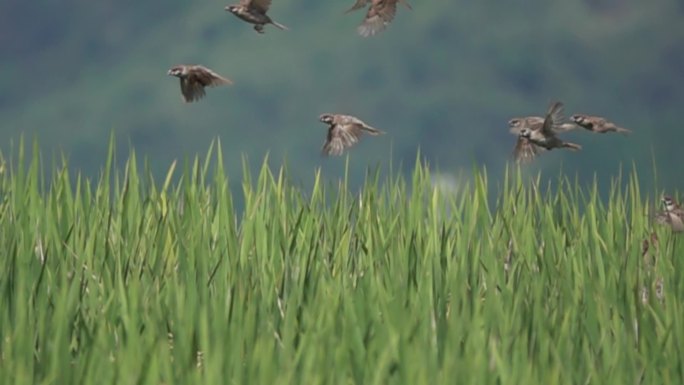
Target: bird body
597, 124
254, 12
194, 78
344, 131
548, 142
380, 14
536, 123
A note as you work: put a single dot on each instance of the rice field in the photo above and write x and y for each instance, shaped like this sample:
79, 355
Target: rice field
130, 280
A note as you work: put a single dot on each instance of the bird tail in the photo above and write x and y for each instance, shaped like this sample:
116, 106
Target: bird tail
406, 4
623, 131
284, 28
373, 131
371, 26
355, 7
572, 146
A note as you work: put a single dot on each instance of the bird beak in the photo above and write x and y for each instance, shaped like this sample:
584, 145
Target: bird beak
168, 72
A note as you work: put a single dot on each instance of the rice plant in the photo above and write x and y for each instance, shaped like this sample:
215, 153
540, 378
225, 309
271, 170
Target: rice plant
130, 280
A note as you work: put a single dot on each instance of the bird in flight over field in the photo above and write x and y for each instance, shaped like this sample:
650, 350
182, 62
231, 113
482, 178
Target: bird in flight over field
343, 132
379, 15
533, 131
254, 12
597, 124
193, 79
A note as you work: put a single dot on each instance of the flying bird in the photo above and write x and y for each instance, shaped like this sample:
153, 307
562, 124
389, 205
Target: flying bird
194, 78
379, 15
254, 12
545, 136
343, 132
672, 215
597, 124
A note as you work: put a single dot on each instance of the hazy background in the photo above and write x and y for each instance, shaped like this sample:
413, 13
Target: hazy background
443, 78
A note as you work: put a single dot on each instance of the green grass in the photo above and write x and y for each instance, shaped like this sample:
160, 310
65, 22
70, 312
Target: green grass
128, 280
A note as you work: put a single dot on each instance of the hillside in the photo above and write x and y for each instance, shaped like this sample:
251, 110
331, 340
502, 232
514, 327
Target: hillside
444, 78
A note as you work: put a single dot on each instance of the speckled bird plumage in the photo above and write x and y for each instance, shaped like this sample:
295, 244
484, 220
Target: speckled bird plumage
194, 78
597, 124
380, 14
344, 131
672, 215
536, 134
254, 12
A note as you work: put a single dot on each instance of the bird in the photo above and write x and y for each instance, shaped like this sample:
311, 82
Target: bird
545, 136
672, 215
254, 12
343, 132
597, 124
194, 78
379, 15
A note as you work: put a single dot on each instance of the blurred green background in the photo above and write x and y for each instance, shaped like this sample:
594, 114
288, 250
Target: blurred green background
443, 78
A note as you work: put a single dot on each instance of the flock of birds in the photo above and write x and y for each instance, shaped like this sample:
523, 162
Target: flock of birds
535, 133
343, 130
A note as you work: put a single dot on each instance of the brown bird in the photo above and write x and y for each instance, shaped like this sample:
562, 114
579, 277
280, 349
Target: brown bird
344, 132
672, 215
193, 79
380, 14
254, 12
597, 124
545, 136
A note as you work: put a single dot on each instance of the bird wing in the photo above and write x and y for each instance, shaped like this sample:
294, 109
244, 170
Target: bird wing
341, 136
191, 90
564, 127
380, 14
357, 125
598, 121
207, 77
358, 5
261, 5
386, 9
554, 117
525, 151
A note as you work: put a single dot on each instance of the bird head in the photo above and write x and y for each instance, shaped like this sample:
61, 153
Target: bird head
579, 119
668, 203
515, 123
326, 118
177, 71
